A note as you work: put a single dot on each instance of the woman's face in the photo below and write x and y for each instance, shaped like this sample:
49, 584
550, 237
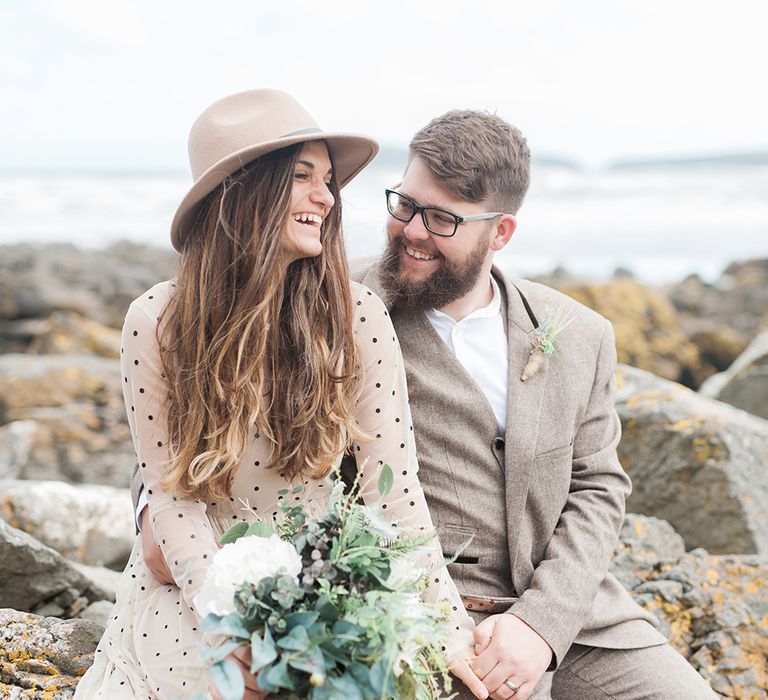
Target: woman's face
311, 201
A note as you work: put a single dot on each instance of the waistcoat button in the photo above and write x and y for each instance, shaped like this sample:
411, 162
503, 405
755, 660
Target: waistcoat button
498, 443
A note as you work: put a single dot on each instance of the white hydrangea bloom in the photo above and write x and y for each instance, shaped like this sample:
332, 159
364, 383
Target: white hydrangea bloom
247, 560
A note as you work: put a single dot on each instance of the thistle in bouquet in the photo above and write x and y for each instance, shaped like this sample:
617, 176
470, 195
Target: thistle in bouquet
329, 606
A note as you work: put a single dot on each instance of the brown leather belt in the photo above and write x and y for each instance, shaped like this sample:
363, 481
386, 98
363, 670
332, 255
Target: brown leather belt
485, 604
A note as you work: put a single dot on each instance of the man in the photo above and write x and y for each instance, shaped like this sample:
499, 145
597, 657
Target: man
527, 469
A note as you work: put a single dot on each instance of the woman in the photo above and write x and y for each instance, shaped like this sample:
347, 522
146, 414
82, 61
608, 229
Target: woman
255, 368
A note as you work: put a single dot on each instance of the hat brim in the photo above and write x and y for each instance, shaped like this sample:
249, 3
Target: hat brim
351, 153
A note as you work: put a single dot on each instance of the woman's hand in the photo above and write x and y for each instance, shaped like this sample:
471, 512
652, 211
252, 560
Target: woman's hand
153, 555
462, 669
242, 657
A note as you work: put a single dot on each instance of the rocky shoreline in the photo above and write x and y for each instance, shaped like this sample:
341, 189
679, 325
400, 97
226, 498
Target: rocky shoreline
692, 397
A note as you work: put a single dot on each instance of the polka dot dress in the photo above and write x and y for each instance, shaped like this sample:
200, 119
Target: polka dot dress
149, 649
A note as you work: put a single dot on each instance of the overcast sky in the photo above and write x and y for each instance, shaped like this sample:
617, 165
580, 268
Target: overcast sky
96, 84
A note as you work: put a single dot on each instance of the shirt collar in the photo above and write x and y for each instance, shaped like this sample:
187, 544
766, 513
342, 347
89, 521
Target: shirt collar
492, 309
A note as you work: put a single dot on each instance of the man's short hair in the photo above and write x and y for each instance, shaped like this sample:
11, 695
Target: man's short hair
476, 155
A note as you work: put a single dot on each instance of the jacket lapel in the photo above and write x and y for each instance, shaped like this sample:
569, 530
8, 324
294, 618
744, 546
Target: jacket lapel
524, 402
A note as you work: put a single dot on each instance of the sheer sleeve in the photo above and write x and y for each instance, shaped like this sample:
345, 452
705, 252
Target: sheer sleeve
180, 524
383, 413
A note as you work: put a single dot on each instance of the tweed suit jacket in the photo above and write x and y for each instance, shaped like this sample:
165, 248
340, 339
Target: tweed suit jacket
544, 502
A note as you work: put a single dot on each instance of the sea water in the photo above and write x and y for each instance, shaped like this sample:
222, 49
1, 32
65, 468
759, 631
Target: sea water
660, 222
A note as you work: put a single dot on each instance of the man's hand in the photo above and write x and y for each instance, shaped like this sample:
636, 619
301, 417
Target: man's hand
460, 667
507, 648
153, 555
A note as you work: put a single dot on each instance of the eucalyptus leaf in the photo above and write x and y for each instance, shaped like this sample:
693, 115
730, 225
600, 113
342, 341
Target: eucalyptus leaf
296, 640
232, 625
263, 650
345, 687
234, 533
386, 480
278, 676
210, 622
362, 674
311, 661
332, 651
228, 679
381, 677
305, 618
343, 628
216, 654
260, 529
327, 610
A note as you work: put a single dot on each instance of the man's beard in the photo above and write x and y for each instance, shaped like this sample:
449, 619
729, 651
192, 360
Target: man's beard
449, 282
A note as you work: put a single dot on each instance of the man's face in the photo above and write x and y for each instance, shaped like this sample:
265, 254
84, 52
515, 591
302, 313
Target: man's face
422, 270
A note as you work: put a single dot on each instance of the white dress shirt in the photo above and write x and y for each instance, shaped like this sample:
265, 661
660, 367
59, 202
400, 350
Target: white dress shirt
479, 342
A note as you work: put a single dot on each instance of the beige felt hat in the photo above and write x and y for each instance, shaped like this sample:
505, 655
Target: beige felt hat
238, 129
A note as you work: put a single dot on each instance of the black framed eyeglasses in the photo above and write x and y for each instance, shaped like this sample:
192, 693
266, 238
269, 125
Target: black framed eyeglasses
436, 220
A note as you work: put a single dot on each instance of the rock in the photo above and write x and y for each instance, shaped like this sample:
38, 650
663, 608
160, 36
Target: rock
643, 543
28, 382
66, 333
75, 426
698, 463
17, 336
718, 347
88, 524
648, 331
714, 609
745, 383
38, 279
42, 657
98, 612
36, 578
101, 578
738, 300
16, 441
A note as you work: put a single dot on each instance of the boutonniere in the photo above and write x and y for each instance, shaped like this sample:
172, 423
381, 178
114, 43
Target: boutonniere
543, 340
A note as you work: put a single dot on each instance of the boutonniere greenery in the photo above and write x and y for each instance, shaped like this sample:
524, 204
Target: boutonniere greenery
543, 340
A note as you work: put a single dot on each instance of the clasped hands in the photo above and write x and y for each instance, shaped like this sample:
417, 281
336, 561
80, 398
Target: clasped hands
507, 649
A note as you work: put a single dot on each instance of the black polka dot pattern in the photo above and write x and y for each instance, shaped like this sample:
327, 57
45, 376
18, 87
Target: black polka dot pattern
155, 627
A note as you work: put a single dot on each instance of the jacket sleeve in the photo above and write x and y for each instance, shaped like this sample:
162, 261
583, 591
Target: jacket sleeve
559, 598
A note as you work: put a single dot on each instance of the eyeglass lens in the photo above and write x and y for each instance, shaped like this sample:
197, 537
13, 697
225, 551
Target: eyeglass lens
436, 221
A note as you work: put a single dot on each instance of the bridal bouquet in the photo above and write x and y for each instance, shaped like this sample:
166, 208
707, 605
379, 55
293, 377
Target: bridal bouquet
329, 607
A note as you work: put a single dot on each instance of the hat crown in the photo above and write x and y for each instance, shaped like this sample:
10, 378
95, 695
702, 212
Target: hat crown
241, 121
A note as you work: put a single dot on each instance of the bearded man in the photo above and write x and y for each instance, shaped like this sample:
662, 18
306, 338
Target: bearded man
527, 469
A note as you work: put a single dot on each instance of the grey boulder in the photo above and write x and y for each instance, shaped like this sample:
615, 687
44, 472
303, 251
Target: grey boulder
36, 578
745, 383
700, 464
88, 524
63, 418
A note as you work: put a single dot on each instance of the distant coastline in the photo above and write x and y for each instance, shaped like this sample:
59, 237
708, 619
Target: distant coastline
732, 160
395, 157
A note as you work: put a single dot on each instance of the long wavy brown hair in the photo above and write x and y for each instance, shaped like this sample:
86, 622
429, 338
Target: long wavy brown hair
251, 346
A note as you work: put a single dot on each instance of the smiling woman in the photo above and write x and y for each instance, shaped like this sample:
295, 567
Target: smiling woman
253, 370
